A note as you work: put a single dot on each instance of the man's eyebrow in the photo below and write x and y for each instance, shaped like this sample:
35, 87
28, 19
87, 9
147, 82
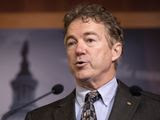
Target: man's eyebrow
72, 36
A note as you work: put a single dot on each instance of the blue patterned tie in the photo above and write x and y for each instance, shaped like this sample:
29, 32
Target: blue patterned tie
88, 112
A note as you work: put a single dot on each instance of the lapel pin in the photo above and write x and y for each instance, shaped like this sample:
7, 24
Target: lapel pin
129, 103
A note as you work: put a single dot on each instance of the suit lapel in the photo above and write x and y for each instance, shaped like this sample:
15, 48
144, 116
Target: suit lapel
66, 109
125, 104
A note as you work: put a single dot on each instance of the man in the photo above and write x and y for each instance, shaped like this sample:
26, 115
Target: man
94, 43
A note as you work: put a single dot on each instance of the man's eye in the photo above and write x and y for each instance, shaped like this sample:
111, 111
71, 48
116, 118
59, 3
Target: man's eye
71, 43
90, 41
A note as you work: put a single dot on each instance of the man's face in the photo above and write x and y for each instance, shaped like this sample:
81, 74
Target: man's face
89, 55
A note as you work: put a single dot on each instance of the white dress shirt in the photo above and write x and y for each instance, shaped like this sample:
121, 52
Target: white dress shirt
103, 106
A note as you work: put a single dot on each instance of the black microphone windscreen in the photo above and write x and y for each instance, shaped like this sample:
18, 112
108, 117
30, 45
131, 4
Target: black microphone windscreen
57, 89
135, 90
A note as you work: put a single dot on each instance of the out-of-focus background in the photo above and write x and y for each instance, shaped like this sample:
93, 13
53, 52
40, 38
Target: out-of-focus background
32, 54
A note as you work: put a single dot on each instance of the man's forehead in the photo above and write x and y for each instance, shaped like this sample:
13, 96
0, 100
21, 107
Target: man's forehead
88, 30
86, 26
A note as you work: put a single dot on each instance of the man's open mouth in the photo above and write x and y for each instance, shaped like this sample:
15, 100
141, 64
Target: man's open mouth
81, 63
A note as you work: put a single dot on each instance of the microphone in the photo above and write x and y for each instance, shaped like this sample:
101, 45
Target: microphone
57, 89
135, 90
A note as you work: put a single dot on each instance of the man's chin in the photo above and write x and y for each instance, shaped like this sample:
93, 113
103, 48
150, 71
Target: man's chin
83, 76
84, 79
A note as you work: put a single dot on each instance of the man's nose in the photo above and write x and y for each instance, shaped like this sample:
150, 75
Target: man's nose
80, 48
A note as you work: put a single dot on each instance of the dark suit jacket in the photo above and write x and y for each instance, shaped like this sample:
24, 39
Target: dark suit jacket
130, 104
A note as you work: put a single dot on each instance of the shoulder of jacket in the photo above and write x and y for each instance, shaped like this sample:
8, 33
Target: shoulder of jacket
137, 91
151, 96
54, 104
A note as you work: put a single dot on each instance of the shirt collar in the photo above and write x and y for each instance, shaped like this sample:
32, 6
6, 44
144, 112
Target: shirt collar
107, 92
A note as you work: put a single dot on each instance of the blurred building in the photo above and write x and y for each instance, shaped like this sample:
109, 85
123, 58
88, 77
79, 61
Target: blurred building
23, 87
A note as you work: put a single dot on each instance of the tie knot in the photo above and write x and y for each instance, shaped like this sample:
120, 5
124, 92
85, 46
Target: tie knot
92, 96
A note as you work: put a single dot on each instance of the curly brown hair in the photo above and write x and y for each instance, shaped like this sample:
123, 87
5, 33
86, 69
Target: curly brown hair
99, 14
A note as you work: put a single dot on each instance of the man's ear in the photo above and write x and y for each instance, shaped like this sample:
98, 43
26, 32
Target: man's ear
116, 51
